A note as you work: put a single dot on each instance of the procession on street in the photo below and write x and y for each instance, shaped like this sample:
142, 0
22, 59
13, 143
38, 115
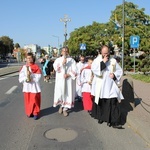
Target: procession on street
93, 83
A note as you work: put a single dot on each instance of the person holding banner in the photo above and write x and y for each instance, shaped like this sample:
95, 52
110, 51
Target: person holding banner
64, 92
107, 94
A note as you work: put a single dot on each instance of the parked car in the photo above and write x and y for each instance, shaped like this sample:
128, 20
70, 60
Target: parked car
8, 59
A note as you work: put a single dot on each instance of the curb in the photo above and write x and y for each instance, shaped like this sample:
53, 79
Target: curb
8, 73
138, 127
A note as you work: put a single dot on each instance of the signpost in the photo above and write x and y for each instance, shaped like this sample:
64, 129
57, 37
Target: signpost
134, 43
82, 47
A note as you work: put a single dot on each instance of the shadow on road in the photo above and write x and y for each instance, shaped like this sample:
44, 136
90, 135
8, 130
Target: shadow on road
48, 111
129, 102
78, 106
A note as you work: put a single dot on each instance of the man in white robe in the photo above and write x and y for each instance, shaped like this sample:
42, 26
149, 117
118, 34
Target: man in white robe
64, 93
80, 66
107, 94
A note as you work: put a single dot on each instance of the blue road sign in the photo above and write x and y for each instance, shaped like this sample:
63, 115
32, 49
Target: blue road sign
134, 41
82, 46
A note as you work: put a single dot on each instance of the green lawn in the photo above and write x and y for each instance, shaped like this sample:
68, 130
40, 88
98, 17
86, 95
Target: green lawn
141, 77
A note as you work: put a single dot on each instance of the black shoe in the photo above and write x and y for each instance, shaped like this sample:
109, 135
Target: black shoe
117, 126
35, 117
90, 112
109, 124
31, 116
100, 121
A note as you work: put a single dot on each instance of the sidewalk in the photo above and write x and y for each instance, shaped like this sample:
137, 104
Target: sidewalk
9, 70
139, 118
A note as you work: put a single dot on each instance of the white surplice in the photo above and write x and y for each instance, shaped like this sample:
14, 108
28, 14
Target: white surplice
34, 86
86, 76
64, 92
104, 86
80, 66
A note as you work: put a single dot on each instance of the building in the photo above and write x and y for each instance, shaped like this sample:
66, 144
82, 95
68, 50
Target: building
34, 48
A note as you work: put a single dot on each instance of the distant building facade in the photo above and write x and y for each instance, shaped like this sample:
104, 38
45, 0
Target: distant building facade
34, 48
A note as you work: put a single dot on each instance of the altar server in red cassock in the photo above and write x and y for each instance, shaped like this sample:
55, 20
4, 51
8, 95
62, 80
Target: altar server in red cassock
86, 86
29, 76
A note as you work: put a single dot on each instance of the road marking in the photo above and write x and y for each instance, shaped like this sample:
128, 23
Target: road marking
2, 78
9, 76
11, 90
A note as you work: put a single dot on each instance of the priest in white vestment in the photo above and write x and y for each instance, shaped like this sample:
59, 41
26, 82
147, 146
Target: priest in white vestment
64, 92
107, 94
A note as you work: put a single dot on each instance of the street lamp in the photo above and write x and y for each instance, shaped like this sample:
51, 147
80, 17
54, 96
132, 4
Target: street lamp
58, 42
65, 20
123, 33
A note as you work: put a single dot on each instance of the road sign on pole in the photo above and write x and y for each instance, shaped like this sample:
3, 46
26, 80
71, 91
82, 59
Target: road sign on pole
134, 41
82, 46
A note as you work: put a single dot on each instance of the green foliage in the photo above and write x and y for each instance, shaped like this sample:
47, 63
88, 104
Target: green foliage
6, 45
17, 45
97, 34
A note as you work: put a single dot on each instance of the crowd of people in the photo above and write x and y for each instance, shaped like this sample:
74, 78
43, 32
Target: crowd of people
92, 82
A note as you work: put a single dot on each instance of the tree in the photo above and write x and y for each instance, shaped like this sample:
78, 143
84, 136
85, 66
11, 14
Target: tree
6, 45
136, 23
90, 35
17, 45
97, 34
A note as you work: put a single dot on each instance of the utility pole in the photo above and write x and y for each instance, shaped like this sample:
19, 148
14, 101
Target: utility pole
65, 20
123, 33
58, 43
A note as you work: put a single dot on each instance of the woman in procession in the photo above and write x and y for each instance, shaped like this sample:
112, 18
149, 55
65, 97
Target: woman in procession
46, 68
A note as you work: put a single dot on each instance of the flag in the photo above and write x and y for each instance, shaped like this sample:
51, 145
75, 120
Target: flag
117, 24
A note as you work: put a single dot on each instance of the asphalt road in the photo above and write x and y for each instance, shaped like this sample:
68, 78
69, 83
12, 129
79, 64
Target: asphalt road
80, 131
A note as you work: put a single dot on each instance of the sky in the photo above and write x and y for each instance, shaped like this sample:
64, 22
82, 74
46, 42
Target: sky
38, 21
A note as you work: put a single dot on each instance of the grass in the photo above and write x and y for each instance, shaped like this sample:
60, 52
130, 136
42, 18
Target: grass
141, 77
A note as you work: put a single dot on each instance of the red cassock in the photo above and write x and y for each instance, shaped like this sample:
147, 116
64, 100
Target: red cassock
31, 90
87, 101
86, 76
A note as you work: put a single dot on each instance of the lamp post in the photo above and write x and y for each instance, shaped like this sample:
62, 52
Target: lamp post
123, 33
58, 43
65, 20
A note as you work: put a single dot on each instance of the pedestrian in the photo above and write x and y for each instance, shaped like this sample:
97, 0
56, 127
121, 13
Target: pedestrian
52, 71
64, 92
80, 65
29, 76
86, 86
107, 94
46, 68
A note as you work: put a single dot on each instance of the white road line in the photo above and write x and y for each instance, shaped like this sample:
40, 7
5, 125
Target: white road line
2, 78
11, 90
